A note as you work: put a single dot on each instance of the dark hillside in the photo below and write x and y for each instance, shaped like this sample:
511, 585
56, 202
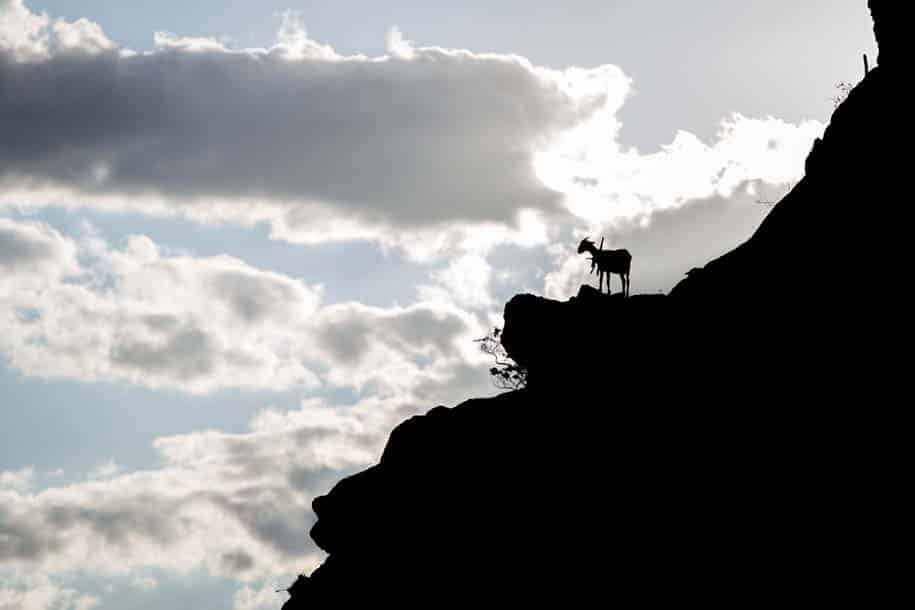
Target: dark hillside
737, 441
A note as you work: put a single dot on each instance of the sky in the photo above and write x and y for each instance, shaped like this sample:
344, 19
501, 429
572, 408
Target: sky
240, 241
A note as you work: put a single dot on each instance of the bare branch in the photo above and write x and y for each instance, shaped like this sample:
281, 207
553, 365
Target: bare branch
507, 374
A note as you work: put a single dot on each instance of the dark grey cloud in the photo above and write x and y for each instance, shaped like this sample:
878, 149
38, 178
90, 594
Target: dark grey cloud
328, 147
237, 561
254, 297
118, 518
116, 523
411, 141
23, 541
349, 333
273, 515
182, 354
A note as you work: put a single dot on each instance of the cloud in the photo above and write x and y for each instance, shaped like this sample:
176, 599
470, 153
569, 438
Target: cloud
37, 592
137, 314
397, 45
140, 316
419, 148
237, 561
29, 247
28, 36
144, 583
18, 480
236, 505
674, 241
105, 470
390, 349
295, 134
465, 281
604, 183
265, 598
233, 504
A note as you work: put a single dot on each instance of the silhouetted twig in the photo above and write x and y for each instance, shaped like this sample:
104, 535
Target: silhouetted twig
507, 374
843, 89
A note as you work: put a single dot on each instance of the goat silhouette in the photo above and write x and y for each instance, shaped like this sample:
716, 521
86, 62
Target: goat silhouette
608, 262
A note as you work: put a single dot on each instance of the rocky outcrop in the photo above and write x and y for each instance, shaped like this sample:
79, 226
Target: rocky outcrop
591, 334
735, 442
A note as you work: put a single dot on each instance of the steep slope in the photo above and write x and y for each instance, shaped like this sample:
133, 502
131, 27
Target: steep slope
738, 441
834, 233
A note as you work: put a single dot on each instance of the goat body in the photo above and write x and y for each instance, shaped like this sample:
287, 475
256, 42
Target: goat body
607, 263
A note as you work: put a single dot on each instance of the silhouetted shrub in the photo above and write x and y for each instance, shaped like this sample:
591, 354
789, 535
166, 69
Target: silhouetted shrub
507, 374
843, 88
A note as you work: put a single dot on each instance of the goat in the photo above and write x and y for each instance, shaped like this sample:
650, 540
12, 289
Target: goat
608, 262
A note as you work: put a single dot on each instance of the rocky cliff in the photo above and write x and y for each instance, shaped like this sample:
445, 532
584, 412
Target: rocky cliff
734, 442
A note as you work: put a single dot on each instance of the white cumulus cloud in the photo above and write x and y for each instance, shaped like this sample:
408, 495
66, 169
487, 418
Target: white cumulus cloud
79, 308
